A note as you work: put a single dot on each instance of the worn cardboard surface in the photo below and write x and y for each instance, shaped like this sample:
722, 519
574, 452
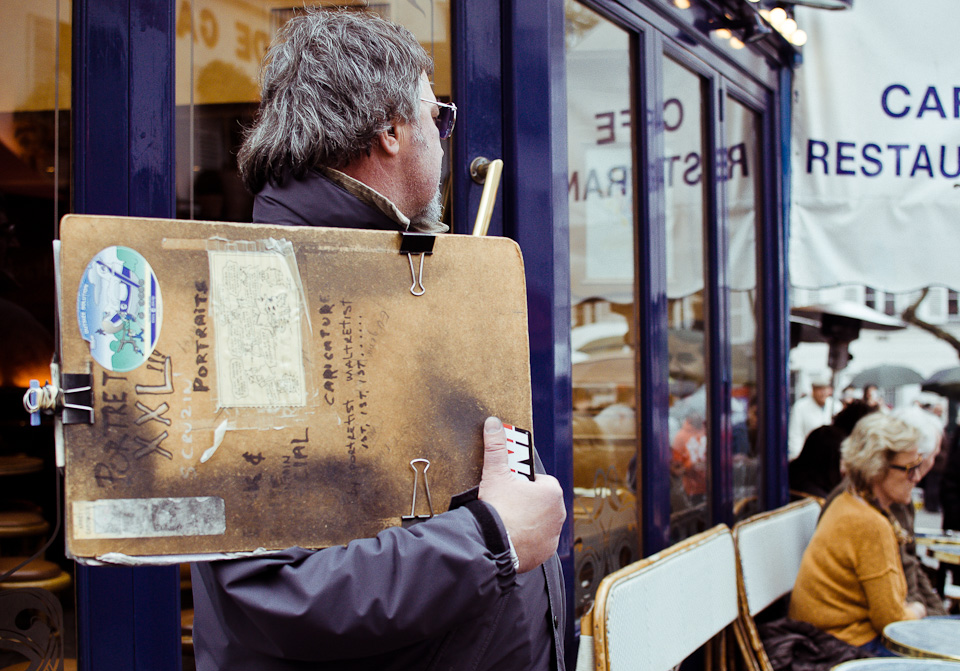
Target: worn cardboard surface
317, 419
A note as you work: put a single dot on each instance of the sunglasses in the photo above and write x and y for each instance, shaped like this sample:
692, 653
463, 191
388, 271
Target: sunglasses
446, 119
911, 469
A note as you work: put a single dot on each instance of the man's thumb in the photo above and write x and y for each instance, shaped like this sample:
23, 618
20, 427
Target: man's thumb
494, 449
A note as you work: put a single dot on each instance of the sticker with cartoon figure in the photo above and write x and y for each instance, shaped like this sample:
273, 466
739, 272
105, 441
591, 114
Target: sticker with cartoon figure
119, 308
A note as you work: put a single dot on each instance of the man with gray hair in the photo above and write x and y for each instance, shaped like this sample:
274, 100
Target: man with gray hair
346, 108
348, 135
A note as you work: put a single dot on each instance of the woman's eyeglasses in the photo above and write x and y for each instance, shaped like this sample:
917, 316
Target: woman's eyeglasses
446, 119
910, 469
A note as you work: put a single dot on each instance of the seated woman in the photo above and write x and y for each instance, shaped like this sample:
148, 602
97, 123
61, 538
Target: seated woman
851, 582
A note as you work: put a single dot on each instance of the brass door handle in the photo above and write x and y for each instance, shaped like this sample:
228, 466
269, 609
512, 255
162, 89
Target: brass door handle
488, 173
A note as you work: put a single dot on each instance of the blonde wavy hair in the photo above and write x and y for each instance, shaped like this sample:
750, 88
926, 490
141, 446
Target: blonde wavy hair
866, 454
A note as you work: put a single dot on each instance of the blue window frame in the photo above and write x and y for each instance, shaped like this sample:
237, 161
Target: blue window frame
128, 618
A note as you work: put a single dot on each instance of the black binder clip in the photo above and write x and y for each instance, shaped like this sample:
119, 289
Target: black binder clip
420, 244
75, 400
407, 521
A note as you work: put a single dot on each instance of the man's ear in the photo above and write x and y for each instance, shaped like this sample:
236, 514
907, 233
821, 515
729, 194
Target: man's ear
388, 141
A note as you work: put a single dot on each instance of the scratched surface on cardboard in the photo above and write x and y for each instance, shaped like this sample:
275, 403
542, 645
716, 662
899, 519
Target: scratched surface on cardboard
263, 387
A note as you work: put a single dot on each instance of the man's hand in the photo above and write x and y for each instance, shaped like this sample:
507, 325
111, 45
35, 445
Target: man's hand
532, 512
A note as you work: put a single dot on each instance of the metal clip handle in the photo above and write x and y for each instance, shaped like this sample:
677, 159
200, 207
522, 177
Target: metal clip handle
417, 277
413, 518
420, 244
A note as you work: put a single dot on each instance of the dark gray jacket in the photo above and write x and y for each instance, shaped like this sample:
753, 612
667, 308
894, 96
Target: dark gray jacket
440, 595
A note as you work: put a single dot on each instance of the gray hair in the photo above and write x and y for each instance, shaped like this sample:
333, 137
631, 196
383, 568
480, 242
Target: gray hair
930, 428
333, 80
866, 454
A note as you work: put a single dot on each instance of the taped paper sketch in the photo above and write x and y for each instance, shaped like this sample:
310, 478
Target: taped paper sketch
257, 330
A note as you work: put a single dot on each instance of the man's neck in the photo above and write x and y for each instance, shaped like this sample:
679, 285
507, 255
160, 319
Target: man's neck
374, 197
368, 193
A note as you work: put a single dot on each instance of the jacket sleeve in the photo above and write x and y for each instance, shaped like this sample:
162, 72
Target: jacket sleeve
884, 604
371, 596
880, 572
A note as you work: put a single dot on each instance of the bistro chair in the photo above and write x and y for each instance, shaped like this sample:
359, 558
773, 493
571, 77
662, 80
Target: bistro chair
769, 548
797, 495
656, 612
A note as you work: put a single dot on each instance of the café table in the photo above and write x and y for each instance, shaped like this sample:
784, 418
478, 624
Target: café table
946, 553
930, 537
897, 664
929, 638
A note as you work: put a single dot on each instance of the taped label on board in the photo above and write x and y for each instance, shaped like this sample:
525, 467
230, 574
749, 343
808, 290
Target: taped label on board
149, 518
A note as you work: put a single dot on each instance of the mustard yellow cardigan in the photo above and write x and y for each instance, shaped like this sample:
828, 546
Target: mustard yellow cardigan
851, 582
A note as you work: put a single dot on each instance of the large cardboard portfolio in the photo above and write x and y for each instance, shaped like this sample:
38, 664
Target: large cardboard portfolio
261, 386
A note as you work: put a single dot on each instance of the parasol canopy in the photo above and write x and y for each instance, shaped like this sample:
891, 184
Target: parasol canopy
945, 382
886, 376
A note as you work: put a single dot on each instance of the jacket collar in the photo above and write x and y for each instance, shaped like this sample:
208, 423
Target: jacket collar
379, 201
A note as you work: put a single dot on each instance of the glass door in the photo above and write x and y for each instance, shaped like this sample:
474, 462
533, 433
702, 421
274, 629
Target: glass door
602, 284
740, 170
685, 180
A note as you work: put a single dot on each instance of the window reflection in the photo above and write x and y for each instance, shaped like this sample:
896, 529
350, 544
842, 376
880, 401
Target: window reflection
602, 275
34, 177
684, 185
740, 170
220, 46
35, 139
34, 194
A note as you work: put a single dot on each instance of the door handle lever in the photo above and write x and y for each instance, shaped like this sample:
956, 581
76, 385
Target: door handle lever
488, 173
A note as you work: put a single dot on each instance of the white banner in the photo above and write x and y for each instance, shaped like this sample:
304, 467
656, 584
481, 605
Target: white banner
876, 147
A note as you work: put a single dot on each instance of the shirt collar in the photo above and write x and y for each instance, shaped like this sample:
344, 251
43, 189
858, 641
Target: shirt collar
381, 202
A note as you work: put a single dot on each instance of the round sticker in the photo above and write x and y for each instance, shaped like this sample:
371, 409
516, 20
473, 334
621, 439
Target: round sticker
119, 308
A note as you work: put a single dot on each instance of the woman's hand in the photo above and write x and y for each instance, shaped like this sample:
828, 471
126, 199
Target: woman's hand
916, 610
